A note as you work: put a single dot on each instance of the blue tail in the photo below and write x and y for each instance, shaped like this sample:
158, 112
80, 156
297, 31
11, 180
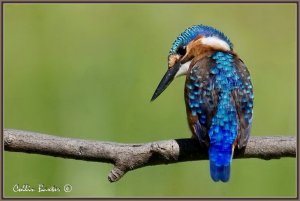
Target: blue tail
220, 160
218, 173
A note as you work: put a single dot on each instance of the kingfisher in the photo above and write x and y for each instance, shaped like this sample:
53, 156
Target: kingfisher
218, 93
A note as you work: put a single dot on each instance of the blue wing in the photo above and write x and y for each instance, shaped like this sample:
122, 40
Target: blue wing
243, 98
201, 98
202, 95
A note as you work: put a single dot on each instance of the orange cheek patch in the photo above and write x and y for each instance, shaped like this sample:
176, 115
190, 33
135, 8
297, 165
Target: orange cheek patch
173, 59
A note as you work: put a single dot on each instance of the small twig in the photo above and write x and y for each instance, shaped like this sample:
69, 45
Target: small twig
126, 157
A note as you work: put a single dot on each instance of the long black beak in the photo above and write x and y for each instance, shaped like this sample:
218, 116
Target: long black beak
166, 80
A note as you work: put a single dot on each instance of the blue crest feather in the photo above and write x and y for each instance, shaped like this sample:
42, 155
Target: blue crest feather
190, 33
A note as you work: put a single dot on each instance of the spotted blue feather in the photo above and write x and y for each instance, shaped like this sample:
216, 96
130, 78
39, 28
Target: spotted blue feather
219, 93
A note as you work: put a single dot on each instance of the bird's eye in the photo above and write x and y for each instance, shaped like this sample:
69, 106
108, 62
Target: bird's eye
181, 50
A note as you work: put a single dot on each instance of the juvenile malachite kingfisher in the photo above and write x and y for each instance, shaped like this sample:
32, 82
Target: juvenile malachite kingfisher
218, 93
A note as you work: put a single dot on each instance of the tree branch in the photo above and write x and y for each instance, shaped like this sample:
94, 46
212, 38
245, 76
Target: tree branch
126, 157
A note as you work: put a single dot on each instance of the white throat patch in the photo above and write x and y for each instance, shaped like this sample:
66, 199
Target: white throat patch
215, 42
183, 69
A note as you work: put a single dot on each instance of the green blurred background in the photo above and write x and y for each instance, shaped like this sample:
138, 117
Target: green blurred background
88, 71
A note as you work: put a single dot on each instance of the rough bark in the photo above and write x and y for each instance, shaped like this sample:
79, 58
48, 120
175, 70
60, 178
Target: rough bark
126, 157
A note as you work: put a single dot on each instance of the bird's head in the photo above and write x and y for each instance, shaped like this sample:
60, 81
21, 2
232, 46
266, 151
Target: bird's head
192, 44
